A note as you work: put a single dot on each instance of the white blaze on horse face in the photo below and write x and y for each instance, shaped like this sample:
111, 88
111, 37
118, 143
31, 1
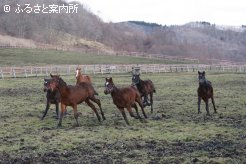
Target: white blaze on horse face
106, 84
77, 73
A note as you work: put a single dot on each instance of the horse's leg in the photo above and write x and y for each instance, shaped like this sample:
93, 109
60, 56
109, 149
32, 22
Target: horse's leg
207, 107
46, 109
87, 101
136, 108
199, 104
57, 110
215, 111
63, 109
145, 100
98, 102
131, 113
141, 106
124, 115
151, 101
75, 113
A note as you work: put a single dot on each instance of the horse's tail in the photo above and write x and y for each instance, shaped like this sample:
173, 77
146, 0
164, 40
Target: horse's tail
153, 87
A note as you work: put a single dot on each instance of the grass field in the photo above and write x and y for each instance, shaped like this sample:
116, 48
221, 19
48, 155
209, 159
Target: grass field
33, 57
174, 133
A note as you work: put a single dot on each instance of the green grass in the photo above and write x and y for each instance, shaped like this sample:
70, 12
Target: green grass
29, 57
174, 133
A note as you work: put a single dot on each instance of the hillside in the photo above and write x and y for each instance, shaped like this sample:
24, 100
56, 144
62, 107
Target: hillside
84, 30
197, 39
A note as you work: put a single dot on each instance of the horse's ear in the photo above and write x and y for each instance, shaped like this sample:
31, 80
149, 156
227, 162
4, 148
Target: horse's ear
110, 79
203, 72
78, 67
51, 75
199, 72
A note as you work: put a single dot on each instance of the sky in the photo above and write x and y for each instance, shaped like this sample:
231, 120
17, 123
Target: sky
170, 12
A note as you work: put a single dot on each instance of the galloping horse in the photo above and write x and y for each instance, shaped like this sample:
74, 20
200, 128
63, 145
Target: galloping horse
145, 87
73, 95
124, 98
205, 92
52, 97
82, 78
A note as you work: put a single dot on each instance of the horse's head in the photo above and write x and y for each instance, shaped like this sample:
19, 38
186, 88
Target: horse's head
45, 84
53, 83
135, 79
109, 85
78, 69
201, 77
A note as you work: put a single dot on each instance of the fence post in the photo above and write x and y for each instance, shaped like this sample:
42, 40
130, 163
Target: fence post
25, 72
85, 69
68, 70
36, 71
31, 70
13, 71
2, 74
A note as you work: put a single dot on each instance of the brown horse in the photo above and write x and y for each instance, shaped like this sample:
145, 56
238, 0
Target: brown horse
73, 95
52, 97
82, 78
124, 98
205, 92
145, 87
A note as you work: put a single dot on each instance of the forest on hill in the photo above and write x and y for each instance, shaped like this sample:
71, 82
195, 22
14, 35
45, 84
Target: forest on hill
196, 39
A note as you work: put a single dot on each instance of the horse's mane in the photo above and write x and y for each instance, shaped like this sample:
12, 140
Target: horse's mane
61, 81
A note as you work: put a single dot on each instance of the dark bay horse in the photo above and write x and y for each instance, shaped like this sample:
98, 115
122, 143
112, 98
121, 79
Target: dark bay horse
145, 87
82, 78
205, 92
124, 98
74, 95
52, 97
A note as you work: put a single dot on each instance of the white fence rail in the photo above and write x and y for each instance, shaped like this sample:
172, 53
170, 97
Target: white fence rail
32, 71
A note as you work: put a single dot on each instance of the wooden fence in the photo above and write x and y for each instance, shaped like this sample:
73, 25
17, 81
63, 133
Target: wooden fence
34, 71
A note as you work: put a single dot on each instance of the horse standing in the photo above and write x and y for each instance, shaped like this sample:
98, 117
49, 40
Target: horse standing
52, 97
124, 98
73, 95
145, 87
82, 78
205, 92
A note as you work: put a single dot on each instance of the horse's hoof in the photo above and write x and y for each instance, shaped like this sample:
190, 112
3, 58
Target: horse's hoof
139, 117
127, 123
58, 126
141, 120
